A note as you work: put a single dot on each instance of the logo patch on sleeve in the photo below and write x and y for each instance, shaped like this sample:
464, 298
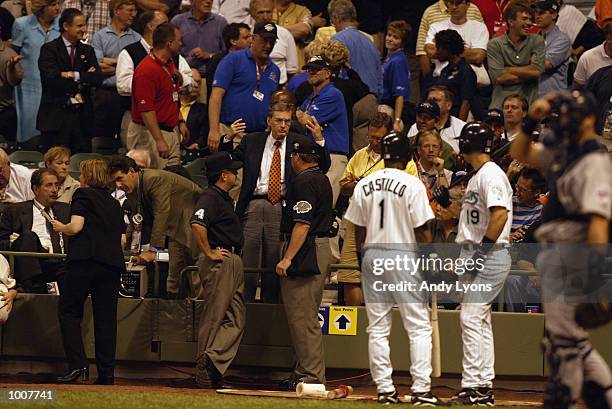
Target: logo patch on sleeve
302, 207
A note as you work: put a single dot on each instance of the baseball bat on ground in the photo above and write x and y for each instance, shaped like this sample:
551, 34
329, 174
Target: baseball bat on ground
436, 368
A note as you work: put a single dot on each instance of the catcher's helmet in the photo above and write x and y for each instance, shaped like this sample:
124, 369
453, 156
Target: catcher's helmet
396, 146
476, 137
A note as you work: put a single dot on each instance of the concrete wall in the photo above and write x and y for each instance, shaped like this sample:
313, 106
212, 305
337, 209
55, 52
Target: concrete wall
152, 330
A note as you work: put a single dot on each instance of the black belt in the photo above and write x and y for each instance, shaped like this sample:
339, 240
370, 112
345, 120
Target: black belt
338, 153
262, 197
287, 237
166, 128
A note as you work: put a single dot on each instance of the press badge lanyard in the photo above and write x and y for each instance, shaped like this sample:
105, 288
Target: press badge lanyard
257, 94
175, 94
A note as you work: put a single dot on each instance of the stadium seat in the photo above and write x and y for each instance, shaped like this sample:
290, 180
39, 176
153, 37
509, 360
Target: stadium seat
105, 146
195, 169
30, 159
77, 158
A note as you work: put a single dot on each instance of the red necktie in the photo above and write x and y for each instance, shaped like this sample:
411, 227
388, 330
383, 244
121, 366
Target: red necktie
274, 177
72, 46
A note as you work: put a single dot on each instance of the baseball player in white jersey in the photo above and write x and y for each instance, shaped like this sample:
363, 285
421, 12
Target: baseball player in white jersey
390, 210
484, 231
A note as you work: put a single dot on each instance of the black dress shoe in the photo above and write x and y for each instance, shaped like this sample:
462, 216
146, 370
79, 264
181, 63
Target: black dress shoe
105, 380
288, 384
207, 376
76, 375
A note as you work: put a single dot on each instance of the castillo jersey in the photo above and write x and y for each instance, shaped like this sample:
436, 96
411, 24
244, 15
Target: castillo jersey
489, 187
390, 204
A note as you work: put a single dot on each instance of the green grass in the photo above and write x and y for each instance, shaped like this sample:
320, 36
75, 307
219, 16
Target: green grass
136, 400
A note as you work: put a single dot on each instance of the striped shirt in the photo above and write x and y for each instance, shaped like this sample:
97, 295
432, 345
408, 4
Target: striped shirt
439, 12
524, 216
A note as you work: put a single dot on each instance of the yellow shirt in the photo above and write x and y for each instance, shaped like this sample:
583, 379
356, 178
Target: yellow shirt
364, 162
186, 107
439, 12
294, 14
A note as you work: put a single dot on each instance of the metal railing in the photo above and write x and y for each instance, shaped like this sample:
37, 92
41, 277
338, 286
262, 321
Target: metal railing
10, 255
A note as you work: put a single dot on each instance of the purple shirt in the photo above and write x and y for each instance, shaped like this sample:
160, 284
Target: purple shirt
205, 35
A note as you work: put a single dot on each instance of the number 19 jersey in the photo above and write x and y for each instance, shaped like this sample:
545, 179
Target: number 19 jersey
489, 187
390, 204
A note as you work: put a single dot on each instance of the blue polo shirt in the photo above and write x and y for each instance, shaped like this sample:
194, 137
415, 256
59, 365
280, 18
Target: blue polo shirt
107, 43
364, 58
396, 77
237, 75
329, 109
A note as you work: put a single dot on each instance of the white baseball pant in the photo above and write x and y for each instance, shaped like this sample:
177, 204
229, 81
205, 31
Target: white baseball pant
475, 319
415, 318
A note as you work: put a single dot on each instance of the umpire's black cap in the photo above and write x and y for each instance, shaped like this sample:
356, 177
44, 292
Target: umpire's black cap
305, 145
220, 161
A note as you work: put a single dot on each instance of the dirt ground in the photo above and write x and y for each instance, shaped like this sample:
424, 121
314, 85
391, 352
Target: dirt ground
506, 389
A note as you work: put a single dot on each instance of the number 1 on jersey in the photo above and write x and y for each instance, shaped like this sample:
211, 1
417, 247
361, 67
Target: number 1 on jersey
382, 213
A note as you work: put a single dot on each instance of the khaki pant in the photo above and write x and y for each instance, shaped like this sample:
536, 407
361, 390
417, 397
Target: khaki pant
181, 257
139, 137
223, 318
349, 255
302, 297
335, 172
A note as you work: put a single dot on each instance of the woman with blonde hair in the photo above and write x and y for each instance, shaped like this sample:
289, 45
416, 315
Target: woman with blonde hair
58, 159
29, 35
95, 263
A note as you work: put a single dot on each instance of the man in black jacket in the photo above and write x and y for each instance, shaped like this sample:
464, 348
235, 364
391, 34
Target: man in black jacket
30, 222
267, 179
68, 69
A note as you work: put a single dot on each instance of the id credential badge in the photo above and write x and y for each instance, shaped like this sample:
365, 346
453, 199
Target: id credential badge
258, 95
175, 96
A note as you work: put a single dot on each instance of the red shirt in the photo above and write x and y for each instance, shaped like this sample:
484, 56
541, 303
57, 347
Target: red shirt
153, 89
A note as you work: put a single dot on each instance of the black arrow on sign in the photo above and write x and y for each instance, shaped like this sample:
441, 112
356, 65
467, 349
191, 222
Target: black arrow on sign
342, 321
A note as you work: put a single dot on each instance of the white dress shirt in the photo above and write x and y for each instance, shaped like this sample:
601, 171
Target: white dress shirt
125, 70
39, 226
19, 188
261, 188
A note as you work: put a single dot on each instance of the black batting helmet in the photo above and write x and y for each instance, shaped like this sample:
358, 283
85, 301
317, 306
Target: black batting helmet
396, 146
476, 137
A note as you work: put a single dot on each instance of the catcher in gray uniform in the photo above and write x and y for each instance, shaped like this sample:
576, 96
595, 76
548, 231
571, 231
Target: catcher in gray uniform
575, 236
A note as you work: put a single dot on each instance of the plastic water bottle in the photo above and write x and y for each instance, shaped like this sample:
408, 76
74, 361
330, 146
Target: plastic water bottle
607, 130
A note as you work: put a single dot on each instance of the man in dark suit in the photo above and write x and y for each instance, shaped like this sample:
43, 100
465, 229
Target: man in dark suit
267, 179
30, 222
195, 114
68, 69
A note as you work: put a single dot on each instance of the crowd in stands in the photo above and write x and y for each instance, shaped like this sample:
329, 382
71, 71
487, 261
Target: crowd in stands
168, 83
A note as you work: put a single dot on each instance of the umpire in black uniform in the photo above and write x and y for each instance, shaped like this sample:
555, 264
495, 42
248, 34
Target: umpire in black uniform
306, 257
218, 234
95, 263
